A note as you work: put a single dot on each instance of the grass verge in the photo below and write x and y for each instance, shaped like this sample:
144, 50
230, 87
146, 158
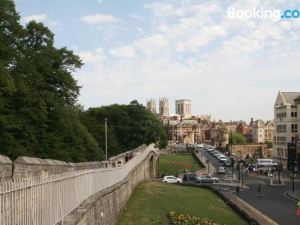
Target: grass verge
177, 163
152, 201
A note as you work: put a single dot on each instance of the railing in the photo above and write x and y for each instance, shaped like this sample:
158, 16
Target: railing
46, 201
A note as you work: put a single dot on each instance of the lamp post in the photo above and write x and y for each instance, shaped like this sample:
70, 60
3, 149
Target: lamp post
106, 139
232, 160
207, 161
293, 176
242, 175
279, 168
239, 168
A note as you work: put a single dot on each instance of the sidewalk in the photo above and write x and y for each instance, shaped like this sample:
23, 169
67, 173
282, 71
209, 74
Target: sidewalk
247, 210
294, 195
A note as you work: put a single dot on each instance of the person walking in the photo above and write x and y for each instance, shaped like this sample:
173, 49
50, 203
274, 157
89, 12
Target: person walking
298, 208
237, 189
259, 190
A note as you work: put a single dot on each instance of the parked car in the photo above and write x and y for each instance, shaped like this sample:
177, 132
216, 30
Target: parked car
216, 153
211, 150
171, 179
227, 163
221, 170
222, 158
207, 179
219, 156
190, 177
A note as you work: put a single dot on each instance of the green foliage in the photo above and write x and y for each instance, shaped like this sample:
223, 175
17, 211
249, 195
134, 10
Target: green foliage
269, 144
237, 138
39, 115
129, 126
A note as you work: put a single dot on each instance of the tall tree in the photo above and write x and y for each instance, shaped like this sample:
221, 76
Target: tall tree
38, 113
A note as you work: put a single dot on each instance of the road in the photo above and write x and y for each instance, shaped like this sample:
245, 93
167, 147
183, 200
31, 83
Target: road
275, 204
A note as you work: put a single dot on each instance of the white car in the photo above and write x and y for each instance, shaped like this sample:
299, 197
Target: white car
221, 169
222, 158
171, 179
207, 179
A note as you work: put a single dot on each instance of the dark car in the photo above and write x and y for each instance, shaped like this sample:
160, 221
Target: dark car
189, 177
227, 163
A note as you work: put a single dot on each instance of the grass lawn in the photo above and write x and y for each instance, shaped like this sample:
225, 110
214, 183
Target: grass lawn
175, 164
152, 201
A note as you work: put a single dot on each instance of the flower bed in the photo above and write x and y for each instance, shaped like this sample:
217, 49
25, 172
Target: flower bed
181, 219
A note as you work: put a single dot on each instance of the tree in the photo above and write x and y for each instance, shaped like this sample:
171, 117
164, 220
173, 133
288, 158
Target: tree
237, 138
129, 126
39, 114
38, 111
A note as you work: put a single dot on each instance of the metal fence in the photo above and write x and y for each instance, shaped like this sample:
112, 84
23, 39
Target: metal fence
47, 200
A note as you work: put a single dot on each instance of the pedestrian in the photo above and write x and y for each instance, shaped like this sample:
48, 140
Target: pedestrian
298, 208
259, 190
237, 189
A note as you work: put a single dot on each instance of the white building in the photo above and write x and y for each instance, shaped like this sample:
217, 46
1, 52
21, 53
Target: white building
183, 108
287, 122
262, 132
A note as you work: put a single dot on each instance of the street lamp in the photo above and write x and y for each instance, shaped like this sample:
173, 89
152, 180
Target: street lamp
239, 168
279, 168
242, 174
230, 152
207, 162
105, 139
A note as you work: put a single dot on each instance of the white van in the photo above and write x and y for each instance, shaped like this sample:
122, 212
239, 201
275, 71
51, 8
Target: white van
265, 162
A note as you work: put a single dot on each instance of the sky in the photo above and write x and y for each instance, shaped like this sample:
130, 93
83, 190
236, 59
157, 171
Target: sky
229, 67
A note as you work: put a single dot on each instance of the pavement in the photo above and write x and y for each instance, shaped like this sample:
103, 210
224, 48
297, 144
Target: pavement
278, 202
293, 195
251, 212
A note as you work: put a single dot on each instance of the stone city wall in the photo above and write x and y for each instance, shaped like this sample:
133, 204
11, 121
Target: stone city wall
104, 207
260, 150
32, 167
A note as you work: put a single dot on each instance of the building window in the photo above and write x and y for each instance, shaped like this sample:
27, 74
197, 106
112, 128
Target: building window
281, 128
294, 128
281, 140
281, 115
293, 114
293, 139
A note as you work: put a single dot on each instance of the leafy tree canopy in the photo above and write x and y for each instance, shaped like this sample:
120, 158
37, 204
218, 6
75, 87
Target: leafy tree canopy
39, 115
237, 138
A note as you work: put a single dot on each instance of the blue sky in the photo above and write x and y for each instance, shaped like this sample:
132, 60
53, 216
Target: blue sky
231, 68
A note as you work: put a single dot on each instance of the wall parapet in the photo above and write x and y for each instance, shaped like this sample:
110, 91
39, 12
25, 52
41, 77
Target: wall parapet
5, 167
30, 166
46, 199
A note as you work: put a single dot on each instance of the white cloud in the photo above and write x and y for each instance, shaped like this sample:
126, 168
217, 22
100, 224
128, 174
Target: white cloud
201, 38
99, 19
36, 17
152, 44
95, 57
195, 51
123, 52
